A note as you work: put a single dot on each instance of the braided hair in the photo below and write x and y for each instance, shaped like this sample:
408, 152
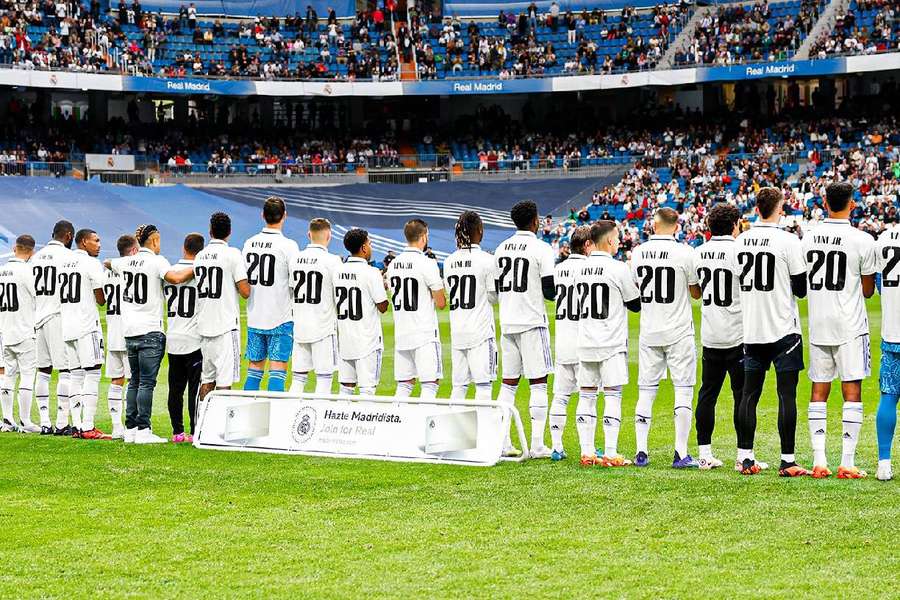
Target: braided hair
143, 233
468, 224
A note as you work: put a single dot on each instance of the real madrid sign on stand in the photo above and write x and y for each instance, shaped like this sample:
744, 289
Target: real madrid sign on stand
377, 427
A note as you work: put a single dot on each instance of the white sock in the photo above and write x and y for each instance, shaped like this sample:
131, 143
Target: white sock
558, 409
853, 418
788, 458
458, 392
89, 391
507, 396
6, 399
684, 416
42, 391
743, 454
323, 384
429, 390
483, 391
612, 420
817, 417
345, 390
367, 391
537, 406
643, 415
62, 400
114, 402
586, 421
404, 389
76, 382
26, 381
298, 382
705, 451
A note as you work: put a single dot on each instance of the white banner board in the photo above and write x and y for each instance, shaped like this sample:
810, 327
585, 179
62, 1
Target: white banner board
374, 427
109, 162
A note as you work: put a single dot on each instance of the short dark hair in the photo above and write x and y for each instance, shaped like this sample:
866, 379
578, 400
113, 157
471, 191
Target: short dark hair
601, 229
355, 239
25, 241
193, 243
722, 219
82, 234
523, 214
62, 229
125, 244
273, 210
667, 215
414, 230
319, 224
467, 226
838, 195
768, 199
578, 238
219, 225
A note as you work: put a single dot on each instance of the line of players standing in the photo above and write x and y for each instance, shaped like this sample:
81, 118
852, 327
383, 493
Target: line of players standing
324, 314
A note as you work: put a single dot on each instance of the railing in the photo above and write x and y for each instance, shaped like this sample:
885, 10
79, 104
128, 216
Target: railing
42, 168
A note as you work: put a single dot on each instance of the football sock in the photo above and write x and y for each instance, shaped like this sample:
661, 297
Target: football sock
367, 391
404, 389
323, 383
76, 382
6, 399
429, 390
537, 407
25, 382
89, 391
753, 386
586, 421
507, 396
346, 390
42, 391
612, 420
684, 416
558, 409
816, 415
114, 401
852, 418
643, 415
786, 386
886, 423
62, 400
277, 377
483, 391
788, 459
254, 378
458, 392
298, 383
705, 414
704, 451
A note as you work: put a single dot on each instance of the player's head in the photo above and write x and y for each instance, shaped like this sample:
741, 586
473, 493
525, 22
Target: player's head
64, 233
724, 219
416, 233
274, 211
148, 237
320, 231
219, 226
127, 245
356, 241
769, 203
525, 216
580, 240
193, 244
605, 236
665, 221
24, 247
839, 198
89, 241
469, 229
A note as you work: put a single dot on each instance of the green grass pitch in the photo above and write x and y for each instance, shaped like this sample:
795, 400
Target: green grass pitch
106, 520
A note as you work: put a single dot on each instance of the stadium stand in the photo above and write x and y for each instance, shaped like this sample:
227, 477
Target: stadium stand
864, 28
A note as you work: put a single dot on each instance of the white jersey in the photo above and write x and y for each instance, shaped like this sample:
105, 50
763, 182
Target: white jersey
181, 314
663, 269
268, 255
79, 275
142, 291
522, 261
837, 256
312, 278
217, 268
767, 257
412, 277
17, 302
112, 289
888, 255
567, 310
470, 277
45, 267
721, 325
358, 287
603, 286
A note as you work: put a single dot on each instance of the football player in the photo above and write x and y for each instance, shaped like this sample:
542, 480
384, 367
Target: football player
888, 256
117, 369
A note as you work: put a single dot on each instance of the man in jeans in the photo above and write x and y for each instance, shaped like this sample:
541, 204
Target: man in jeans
142, 315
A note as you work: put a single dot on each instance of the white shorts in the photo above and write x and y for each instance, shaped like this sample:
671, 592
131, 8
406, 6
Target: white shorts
565, 379
2, 354
117, 365
221, 359
423, 363
20, 358
364, 372
680, 358
608, 373
86, 352
526, 354
848, 362
320, 357
51, 349
477, 364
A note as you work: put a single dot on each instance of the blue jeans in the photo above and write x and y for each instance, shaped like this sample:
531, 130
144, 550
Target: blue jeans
145, 353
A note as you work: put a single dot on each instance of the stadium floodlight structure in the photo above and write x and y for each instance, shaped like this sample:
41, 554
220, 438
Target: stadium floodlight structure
461, 432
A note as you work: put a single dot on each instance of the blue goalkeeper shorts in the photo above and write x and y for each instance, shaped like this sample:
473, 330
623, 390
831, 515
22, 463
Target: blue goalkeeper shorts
889, 375
275, 344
